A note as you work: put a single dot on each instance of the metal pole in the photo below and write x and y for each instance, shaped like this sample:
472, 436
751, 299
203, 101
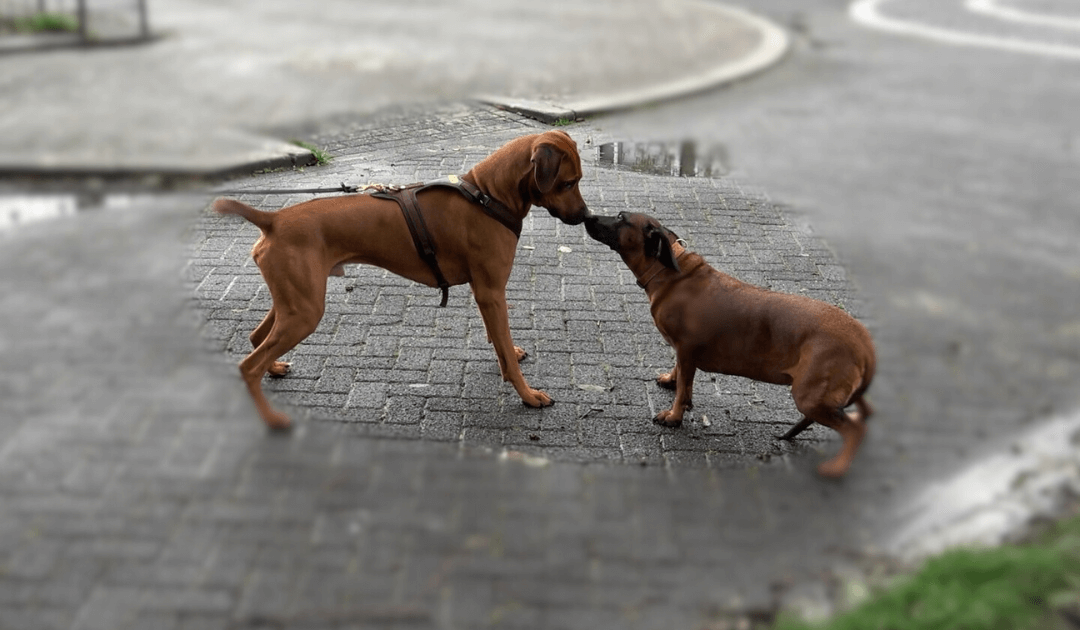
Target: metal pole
144, 20
82, 21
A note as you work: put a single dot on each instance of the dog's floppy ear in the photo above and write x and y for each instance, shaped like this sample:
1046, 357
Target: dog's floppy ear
546, 160
658, 246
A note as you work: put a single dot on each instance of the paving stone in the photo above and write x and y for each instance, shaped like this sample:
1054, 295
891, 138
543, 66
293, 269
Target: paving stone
140, 490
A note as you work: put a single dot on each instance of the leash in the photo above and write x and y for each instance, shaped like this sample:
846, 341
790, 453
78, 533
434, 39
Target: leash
343, 188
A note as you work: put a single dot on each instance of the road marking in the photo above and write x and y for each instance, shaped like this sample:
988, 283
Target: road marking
772, 47
996, 497
992, 8
866, 13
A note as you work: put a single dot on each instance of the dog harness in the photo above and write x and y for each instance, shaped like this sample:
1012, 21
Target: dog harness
405, 196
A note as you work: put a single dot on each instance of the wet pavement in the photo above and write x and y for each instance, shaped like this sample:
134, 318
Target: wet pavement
140, 490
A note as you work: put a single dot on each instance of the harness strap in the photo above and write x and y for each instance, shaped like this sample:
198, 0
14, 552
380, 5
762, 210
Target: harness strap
405, 196
406, 199
491, 206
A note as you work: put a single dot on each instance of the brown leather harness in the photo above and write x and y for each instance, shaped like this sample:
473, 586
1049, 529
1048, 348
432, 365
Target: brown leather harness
405, 196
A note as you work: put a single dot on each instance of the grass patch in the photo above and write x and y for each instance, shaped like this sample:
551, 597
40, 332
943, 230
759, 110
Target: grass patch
321, 156
46, 23
562, 122
1030, 586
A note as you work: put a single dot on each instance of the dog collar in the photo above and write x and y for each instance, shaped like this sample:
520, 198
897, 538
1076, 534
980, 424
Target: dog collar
658, 266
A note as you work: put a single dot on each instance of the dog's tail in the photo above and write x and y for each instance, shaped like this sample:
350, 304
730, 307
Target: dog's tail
262, 220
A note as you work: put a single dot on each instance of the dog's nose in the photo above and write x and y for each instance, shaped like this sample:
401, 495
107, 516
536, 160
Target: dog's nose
592, 226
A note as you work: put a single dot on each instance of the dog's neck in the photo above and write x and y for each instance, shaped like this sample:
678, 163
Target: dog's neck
504, 174
654, 270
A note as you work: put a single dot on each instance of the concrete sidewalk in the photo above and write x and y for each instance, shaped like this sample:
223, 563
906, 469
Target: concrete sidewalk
216, 91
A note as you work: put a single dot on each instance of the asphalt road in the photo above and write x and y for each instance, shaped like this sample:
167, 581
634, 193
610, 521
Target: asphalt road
943, 172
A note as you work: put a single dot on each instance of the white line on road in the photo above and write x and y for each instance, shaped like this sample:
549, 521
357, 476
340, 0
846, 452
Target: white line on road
992, 8
998, 496
867, 12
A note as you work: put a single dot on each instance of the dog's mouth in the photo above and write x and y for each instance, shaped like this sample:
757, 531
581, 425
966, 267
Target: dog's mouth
576, 217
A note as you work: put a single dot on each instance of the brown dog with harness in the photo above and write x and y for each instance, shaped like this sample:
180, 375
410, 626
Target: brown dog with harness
719, 324
451, 232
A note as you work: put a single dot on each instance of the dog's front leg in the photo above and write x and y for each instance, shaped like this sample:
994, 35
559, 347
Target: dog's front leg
492, 304
684, 389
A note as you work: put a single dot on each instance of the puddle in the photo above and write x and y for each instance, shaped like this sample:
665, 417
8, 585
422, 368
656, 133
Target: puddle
682, 159
17, 210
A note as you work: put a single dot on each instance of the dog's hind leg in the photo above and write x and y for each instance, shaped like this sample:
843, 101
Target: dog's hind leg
852, 432
299, 297
285, 334
817, 399
277, 368
669, 380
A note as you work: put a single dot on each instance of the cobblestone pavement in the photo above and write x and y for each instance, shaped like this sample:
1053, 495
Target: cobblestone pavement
389, 362
140, 490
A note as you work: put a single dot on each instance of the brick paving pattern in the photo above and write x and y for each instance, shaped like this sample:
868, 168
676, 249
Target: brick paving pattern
390, 363
140, 491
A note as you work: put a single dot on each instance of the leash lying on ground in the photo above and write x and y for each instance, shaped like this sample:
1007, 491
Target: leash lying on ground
343, 188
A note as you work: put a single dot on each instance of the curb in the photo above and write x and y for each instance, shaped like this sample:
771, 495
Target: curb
260, 154
250, 153
775, 44
996, 498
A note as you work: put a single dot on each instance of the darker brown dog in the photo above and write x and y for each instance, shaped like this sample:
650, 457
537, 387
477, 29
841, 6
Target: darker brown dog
303, 244
719, 324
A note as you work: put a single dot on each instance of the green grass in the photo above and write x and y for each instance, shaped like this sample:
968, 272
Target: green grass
321, 156
46, 22
562, 122
1013, 587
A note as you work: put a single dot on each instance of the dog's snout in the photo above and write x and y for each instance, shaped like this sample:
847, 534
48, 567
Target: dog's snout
581, 215
603, 229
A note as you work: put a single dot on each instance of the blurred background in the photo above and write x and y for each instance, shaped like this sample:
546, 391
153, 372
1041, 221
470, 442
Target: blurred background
934, 147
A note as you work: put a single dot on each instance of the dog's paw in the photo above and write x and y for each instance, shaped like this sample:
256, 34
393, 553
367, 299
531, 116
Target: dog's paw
279, 368
520, 352
277, 421
832, 469
537, 398
667, 381
668, 419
